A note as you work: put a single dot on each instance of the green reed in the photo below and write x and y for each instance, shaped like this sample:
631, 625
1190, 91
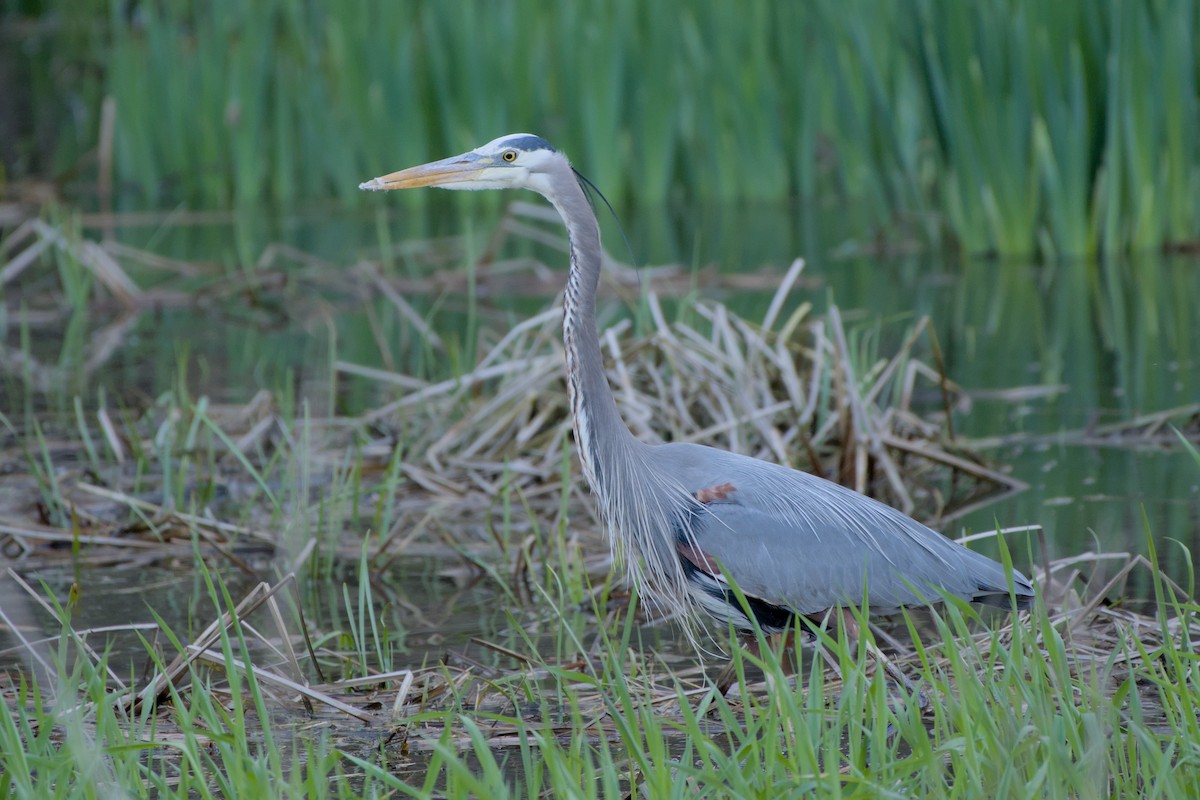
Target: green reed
1020, 710
1011, 126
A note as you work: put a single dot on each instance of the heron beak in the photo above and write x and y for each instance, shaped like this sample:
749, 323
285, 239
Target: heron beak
456, 169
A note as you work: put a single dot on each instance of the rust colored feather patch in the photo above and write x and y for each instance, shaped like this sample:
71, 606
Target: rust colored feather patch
715, 493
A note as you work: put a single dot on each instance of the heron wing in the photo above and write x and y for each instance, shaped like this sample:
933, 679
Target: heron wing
793, 539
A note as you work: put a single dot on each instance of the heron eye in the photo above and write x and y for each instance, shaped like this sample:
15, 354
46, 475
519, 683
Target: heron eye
509, 155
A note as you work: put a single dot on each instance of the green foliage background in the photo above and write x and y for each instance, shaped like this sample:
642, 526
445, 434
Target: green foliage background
1002, 126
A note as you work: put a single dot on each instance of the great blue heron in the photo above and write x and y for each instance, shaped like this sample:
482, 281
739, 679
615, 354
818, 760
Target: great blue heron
685, 516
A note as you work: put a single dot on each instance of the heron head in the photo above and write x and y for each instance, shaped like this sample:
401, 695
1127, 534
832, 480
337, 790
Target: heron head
511, 162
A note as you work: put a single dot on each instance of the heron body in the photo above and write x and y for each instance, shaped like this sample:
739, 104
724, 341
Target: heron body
686, 518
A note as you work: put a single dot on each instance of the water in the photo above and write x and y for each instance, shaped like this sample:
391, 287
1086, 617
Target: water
1094, 345
1116, 339
424, 614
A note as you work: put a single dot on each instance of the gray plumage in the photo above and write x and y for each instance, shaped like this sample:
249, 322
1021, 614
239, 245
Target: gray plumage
683, 516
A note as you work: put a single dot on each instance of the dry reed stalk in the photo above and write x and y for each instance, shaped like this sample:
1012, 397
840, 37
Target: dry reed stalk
733, 385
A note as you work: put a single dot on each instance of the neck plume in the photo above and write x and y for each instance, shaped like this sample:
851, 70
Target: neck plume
600, 433
643, 506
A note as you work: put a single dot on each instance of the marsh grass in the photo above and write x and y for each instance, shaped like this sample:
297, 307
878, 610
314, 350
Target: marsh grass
1008, 126
580, 693
1075, 698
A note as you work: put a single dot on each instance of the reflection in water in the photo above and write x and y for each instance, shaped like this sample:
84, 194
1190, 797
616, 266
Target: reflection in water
422, 615
1114, 336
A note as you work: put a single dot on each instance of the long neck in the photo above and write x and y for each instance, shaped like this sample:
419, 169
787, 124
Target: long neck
643, 506
599, 431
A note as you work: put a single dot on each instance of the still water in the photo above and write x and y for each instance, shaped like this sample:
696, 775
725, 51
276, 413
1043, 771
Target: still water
1092, 344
